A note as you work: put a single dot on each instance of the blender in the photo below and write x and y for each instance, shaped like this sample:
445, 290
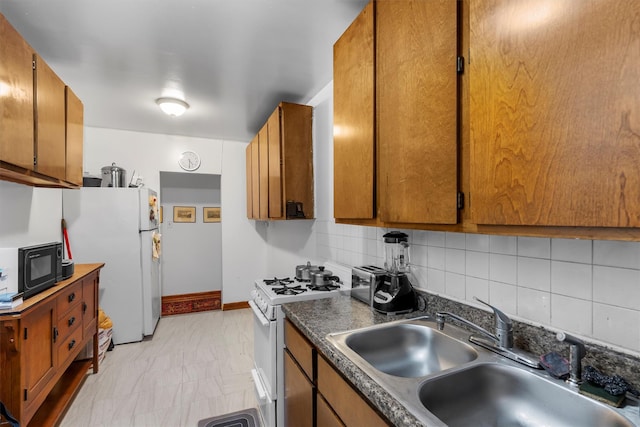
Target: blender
394, 294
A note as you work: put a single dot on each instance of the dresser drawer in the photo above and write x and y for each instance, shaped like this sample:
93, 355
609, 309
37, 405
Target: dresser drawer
69, 298
69, 321
70, 346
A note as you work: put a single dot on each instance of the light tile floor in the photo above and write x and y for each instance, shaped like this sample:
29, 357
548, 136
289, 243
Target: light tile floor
196, 366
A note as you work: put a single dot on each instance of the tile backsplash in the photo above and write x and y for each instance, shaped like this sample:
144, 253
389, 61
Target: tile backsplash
587, 287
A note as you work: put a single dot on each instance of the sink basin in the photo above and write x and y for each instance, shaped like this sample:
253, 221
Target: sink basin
408, 350
501, 395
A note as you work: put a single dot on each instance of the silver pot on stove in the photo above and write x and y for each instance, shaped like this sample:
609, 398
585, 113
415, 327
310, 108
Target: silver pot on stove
303, 272
322, 277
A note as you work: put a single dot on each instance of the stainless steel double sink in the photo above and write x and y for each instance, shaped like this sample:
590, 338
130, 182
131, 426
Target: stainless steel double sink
445, 381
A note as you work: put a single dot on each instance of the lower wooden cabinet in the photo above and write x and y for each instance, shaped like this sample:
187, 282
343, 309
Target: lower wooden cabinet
325, 417
39, 342
315, 391
298, 394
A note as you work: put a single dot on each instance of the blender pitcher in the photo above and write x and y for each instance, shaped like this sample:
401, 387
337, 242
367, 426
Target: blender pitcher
396, 252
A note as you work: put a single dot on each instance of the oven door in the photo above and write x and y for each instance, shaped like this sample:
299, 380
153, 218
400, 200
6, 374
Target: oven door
264, 374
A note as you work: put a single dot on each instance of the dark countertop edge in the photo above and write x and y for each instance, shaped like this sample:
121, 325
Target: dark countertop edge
317, 318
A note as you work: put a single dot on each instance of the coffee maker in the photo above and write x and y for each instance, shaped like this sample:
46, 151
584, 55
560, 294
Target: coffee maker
394, 294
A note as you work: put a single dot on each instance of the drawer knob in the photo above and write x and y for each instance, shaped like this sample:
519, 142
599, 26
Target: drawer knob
72, 297
72, 320
72, 344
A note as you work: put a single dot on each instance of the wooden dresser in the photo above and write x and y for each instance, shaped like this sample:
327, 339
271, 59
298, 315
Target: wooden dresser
39, 343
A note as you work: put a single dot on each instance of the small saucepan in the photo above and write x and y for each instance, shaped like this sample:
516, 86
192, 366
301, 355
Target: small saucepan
303, 272
322, 277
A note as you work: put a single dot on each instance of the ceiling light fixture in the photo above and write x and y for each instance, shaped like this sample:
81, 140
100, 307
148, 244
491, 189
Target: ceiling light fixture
173, 107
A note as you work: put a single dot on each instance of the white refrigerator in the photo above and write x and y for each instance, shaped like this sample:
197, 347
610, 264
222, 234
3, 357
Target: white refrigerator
118, 226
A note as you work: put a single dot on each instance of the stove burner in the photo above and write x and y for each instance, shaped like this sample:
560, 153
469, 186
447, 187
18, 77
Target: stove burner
303, 280
288, 290
324, 288
277, 282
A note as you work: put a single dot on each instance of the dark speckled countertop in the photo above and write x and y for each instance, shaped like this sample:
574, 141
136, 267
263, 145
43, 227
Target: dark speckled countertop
317, 318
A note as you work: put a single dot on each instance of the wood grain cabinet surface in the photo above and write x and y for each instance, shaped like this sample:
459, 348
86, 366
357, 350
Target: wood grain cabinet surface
16, 111
74, 137
41, 119
39, 342
555, 113
280, 165
396, 152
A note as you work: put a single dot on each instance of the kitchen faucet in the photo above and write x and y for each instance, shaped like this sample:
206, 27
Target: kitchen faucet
576, 353
501, 342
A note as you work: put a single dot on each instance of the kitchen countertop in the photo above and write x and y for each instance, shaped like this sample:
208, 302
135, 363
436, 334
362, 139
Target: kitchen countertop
317, 318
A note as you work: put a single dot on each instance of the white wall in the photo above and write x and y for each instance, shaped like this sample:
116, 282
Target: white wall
28, 216
146, 153
244, 248
243, 242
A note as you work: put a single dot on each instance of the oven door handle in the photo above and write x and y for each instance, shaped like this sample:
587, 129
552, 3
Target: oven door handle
262, 393
259, 315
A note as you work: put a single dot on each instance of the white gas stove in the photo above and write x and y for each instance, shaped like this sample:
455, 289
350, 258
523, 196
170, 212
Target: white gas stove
270, 293
268, 330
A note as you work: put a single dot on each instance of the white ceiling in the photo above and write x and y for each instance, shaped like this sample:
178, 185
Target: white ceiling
233, 60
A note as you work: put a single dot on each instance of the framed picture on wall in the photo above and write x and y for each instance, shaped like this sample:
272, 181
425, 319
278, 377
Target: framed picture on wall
184, 214
211, 214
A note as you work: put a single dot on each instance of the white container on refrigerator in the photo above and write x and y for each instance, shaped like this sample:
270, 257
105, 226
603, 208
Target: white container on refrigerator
113, 225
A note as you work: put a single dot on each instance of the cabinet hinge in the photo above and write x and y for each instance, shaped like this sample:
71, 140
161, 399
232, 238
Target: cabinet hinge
460, 200
460, 65
55, 334
25, 333
35, 161
25, 394
33, 64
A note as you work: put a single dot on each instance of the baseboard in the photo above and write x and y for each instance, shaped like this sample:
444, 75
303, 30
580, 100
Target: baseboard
191, 303
235, 305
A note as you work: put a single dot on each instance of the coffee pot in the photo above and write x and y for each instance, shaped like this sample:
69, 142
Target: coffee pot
394, 294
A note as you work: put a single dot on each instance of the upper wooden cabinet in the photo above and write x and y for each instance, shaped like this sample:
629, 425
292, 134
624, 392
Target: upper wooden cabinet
50, 121
353, 119
249, 172
280, 165
416, 89
555, 113
16, 98
74, 137
410, 152
41, 121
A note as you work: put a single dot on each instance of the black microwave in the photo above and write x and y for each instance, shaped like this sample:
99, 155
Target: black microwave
39, 268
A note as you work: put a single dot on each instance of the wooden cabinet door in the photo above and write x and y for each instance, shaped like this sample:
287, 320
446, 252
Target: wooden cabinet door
74, 137
38, 354
297, 156
16, 104
298, 395
255, 178
90, 305
353, 120
555, 113
325, 417
50, 121
263, 171
275, 165
352, 409
416, 89
249, 173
